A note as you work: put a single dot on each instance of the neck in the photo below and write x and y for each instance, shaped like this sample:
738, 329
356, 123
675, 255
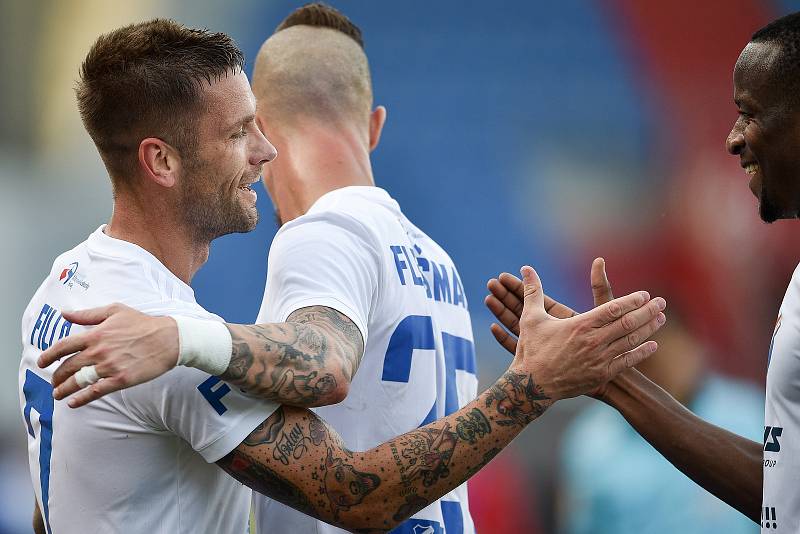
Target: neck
154, 225
315, 160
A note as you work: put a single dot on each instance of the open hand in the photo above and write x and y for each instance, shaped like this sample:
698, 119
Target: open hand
577, 355
126, 348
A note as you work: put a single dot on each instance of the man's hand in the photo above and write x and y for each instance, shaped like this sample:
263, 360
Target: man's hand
577, 355
109, 347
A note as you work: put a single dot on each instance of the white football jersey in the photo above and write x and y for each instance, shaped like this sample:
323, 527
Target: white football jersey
141, 459
780, 509
356, 252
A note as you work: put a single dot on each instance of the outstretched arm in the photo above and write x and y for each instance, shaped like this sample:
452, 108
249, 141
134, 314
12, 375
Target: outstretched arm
725, 464
296, 458
307, 361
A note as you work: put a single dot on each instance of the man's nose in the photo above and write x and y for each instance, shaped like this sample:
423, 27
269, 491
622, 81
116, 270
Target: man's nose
735, 141
265, 152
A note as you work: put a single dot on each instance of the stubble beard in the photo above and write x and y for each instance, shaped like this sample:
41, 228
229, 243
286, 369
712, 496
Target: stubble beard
210, 214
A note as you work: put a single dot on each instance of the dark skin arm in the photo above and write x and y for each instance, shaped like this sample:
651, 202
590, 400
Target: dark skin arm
725, 464
307, 361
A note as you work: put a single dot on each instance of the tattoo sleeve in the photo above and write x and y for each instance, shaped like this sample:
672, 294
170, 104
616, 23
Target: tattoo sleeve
307, 361
296, 458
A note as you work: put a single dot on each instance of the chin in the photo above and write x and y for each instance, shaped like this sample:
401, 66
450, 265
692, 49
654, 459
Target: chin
770, 213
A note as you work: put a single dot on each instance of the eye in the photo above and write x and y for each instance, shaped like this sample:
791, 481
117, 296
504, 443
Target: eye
744, 116
239, 133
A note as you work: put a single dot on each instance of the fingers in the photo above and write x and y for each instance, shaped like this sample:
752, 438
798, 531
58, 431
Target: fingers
91, 316
638, 336
506, 340
617, 308
67, 388
533, 300
507, 317
558, 310
627, 327
511, 298
631, 359
601, 287
95, 391
512, 284
68, 368
65, 347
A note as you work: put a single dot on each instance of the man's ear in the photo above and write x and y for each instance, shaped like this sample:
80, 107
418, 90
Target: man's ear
159, 161
376, 121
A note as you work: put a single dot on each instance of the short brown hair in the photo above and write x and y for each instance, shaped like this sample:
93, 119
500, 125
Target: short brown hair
145, 80
319, 15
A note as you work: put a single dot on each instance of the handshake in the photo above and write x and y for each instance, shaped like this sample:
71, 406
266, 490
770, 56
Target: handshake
558, 353
572, 354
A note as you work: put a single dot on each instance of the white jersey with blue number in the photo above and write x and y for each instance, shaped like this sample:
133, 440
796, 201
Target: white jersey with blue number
138, 460
780, 510
356, 252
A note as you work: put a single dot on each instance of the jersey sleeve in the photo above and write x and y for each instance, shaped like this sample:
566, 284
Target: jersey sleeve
327, 259
211, 416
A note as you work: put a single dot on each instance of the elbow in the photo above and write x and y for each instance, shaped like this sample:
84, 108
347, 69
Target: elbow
341, 392
337, 393
328, 389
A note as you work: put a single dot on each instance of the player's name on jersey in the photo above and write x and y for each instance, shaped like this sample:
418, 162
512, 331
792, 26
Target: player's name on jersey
47, 324
440, 281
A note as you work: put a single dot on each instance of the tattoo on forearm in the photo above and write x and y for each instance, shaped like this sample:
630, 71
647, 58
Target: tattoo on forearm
325, 479
427, 453
291, 445
260, 477
296, 458
268, 431
472, 426
296, 372
518, 398
344, 485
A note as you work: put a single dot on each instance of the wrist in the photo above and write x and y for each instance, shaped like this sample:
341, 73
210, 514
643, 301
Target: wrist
203, 344
546, 385
526, 384
616, 390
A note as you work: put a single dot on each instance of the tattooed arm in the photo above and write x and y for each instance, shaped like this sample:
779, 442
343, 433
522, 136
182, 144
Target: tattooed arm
307, 361
295, 458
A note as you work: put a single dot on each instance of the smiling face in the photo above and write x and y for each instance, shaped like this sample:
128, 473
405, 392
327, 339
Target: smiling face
215, 181
766, 134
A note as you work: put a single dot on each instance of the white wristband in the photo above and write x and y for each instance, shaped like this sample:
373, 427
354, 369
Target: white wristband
203, 344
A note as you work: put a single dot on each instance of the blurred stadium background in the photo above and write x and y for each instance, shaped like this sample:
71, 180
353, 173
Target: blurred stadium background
518, 132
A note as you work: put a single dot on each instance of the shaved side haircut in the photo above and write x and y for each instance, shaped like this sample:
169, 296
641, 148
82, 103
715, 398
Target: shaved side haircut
314, 65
